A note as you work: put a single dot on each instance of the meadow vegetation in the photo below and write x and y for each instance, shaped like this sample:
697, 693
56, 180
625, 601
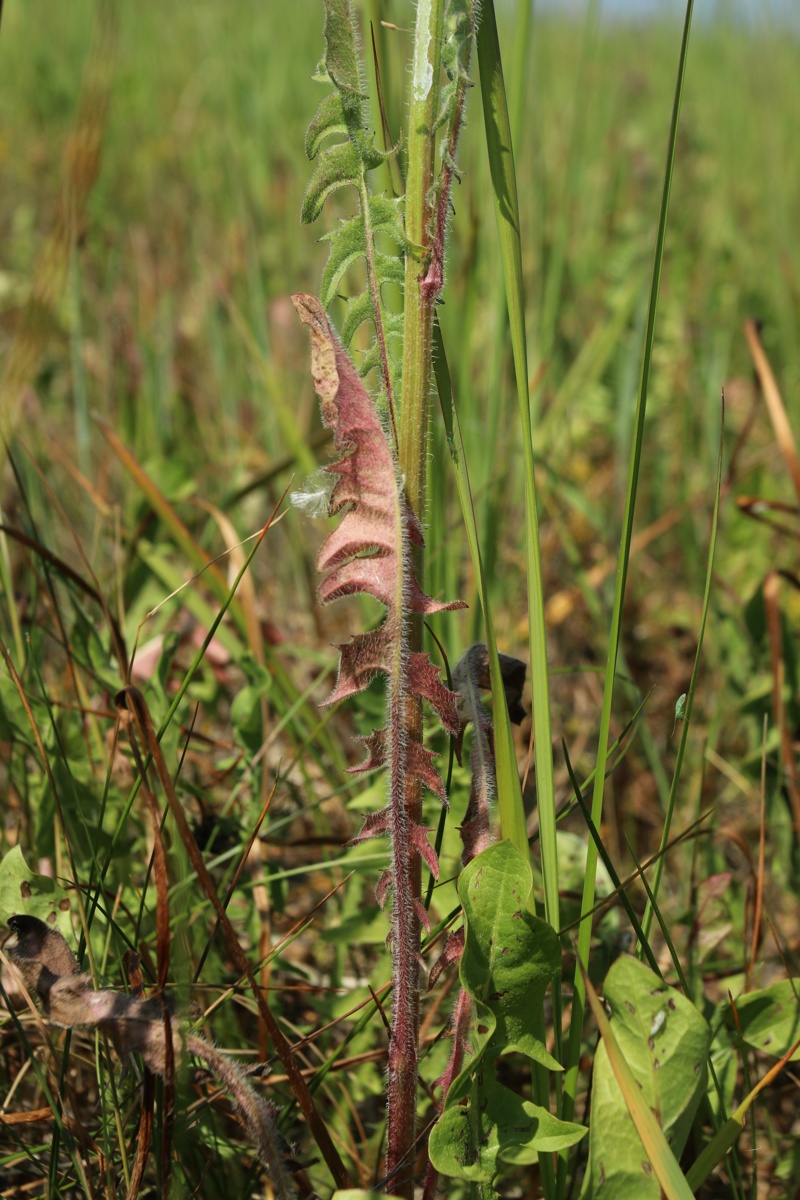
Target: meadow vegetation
158, 410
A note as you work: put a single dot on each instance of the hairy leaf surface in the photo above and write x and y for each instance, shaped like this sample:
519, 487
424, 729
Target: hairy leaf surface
342, 148
369, 552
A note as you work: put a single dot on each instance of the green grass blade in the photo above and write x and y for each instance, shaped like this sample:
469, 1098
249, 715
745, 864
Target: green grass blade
584, 938
506, 203
509, 792
609, 866
673, 791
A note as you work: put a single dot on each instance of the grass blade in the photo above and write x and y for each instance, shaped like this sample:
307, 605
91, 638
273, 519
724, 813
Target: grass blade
584, 938
509, 793
506, 204
647, 920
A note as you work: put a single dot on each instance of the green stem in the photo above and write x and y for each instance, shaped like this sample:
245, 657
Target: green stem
419, 213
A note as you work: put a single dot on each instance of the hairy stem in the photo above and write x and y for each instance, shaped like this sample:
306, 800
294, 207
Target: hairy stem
433, 282
418, 331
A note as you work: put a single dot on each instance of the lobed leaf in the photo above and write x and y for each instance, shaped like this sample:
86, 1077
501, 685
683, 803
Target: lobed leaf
370, 552
378, 222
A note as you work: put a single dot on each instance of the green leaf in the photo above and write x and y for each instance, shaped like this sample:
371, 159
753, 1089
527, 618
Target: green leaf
337, 167
769, 1020
346, 162
329, 121
348, 240
34, 895
665, 1042
14, 721
508, 961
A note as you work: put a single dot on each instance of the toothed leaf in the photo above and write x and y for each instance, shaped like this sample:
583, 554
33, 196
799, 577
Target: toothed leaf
345, 115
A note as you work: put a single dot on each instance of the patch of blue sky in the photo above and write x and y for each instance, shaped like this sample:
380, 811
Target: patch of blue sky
759, 13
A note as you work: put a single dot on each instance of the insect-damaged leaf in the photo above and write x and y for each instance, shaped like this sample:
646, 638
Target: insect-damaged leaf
508, 961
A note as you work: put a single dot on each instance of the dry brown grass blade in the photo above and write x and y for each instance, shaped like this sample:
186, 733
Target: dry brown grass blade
144, 1133
253, 855
134, 699
143, 1136
775, 634
80, 170
774, 403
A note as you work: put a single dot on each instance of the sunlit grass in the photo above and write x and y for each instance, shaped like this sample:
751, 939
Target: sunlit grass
174, 327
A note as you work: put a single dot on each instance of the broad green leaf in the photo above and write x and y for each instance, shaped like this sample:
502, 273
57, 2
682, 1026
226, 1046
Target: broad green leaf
21, 891
508, 961
664, 1041
769, 1020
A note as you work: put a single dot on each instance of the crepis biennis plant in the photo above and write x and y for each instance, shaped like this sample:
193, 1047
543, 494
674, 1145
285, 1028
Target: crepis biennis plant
370, 552
377, 548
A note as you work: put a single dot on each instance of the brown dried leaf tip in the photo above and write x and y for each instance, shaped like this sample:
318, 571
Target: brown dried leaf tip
50, 971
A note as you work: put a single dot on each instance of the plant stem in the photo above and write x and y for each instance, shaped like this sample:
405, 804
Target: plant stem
419, 214
407, 810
